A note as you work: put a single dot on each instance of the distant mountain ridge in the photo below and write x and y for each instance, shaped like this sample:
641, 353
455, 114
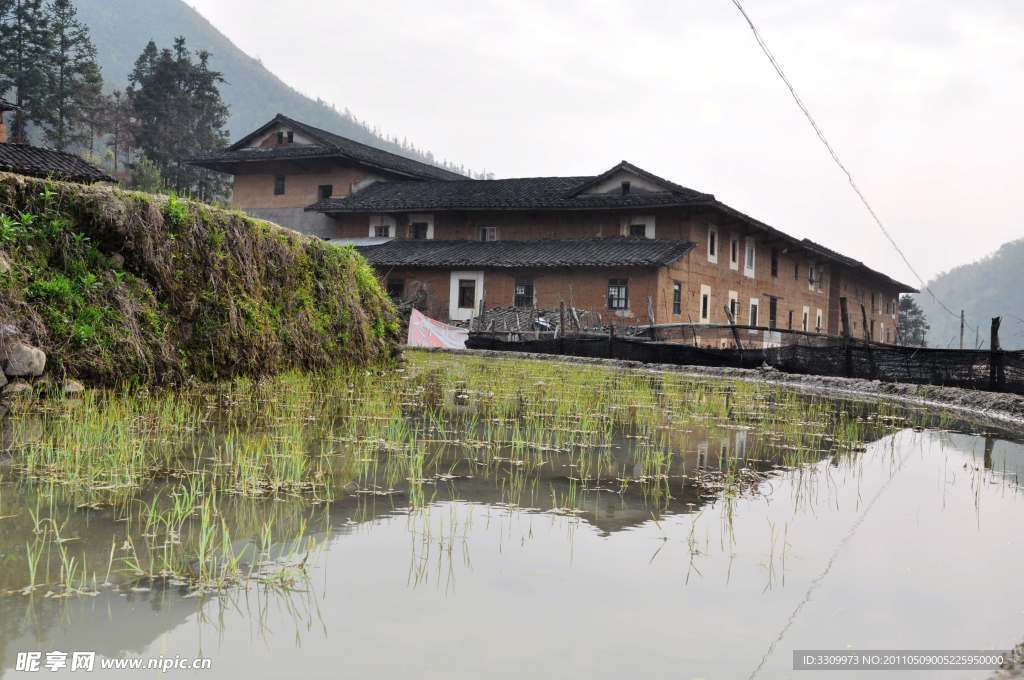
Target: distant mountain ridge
992, 286
121, 28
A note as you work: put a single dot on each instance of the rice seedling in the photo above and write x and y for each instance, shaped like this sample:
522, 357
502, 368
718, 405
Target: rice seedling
212, 486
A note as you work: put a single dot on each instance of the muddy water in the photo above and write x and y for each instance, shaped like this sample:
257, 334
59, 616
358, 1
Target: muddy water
915, 543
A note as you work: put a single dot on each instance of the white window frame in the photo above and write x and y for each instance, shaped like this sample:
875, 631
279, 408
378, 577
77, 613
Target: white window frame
734, 305
456, 313
805, 319
754, 318
486, 228
646, 220
705, 291
750, 257
818, 321
713, 244
734, 248
382, 221
423, 217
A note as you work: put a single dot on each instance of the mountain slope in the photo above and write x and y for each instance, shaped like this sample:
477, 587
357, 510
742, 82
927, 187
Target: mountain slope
121, 28
990, 287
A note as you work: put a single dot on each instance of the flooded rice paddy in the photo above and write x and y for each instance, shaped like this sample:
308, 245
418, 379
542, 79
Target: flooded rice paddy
468, 517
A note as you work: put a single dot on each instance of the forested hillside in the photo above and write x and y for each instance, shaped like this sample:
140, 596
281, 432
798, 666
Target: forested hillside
992, 286
121, 29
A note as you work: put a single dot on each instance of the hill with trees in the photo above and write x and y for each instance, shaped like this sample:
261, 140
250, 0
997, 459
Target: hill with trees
990, 287
121, 29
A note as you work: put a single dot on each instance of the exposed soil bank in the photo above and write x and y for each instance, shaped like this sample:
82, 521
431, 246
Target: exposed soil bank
1006, 410
117, 286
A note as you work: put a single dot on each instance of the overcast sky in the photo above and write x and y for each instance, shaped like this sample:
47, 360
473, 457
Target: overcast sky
922, 99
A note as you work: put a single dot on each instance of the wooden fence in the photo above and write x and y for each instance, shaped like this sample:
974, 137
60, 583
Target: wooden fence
790, 351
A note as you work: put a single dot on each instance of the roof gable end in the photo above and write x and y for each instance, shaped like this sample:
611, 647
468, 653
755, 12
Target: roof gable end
280, 122
639, 180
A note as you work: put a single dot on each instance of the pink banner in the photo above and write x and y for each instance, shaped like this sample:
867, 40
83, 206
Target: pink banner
426, 332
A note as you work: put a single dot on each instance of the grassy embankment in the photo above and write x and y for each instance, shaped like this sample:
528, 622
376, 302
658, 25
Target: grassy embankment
124, 287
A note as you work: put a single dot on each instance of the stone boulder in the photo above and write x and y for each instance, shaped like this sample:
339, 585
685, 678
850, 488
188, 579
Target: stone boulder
24, 360
16, 387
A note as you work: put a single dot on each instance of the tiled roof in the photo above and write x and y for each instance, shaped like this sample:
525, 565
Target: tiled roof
529, 193
329, 145
38, 162
856, 265
593, 252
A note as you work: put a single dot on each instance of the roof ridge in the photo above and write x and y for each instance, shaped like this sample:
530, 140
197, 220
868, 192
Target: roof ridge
321, 131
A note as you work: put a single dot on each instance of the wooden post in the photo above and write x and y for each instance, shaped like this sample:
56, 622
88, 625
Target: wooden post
735, 333
961, 329
561, 326
611, 339
650, 317
867, 342
996, 373
480, 317
844, 317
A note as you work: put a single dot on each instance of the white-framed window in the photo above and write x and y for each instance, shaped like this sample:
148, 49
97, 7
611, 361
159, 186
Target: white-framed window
817, 321
466, 292
488, 233
633, 225
421, 226
734, 305
712, 244
806, 318
705, 304
749, 257
755, 303
734, 252
382, 226
618, 294
882, 337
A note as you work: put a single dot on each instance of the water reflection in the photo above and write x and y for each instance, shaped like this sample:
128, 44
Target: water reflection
491, 572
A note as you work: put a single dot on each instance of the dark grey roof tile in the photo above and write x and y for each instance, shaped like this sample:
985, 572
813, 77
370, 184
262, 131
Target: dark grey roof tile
526, 193
593, 252
329, 145
25, 159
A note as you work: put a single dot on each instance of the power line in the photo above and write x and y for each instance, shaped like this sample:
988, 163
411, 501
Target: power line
835, 157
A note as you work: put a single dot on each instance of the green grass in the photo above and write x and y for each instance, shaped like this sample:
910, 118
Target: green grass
214, 485
202, 293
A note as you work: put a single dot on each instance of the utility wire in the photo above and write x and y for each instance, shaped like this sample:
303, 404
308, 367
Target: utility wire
835, 157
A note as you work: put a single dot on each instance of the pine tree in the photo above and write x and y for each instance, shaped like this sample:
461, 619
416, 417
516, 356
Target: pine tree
179, 114
913, 325
74, 81
119, 126
25, 45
